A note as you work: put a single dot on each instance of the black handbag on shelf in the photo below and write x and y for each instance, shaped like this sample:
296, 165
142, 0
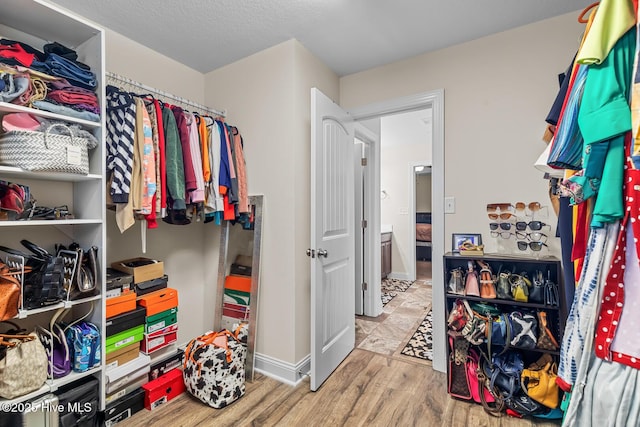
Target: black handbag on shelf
44, 276
503, 287
536, 292
551, 292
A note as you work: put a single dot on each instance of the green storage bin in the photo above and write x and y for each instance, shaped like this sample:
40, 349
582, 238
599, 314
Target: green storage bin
124, 338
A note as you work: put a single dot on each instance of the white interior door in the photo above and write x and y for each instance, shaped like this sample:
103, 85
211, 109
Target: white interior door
332, 237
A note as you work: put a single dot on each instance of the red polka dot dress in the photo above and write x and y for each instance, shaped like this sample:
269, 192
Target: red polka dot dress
617, 336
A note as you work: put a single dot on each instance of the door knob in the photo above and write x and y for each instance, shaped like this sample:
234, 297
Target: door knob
311, 253
322, 252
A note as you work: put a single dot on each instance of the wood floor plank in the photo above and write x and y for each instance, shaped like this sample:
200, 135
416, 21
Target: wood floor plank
370, 388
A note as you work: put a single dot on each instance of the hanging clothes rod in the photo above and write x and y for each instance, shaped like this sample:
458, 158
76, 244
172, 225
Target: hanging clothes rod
115, 78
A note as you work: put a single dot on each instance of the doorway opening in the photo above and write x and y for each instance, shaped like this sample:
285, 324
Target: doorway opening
371, 117
423, 227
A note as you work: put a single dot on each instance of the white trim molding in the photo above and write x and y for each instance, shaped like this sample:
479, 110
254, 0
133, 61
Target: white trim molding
285, 372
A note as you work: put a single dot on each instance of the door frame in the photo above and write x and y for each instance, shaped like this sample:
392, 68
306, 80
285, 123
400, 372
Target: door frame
434, 100
372, 302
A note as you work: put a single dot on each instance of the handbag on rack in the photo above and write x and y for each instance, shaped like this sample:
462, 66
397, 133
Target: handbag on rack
9, 291
551, 292
546, 340
43, 282
456, 284
524, 329
478, 383
23, 368
81, 270
500, 330
458, 382
536, 293
503, 287
519, 287
487, 287
213, 368
471, 286
84, 342
12, 200
503, 373
56, 347
458, 316
539, 380
474, 329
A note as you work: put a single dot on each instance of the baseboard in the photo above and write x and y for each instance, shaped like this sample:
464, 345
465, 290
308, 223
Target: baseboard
399, 276
284, 372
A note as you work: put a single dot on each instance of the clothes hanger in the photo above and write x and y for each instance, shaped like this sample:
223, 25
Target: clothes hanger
581, 17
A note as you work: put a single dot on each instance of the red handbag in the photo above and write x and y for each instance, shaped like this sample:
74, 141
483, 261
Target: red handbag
473, 364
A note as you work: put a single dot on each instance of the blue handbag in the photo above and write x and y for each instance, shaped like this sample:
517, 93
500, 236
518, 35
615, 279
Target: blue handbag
84, 342
501, 331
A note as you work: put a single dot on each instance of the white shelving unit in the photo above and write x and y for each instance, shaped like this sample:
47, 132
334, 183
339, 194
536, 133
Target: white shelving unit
37, 23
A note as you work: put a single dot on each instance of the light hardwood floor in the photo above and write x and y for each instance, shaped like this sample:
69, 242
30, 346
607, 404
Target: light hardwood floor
374, 386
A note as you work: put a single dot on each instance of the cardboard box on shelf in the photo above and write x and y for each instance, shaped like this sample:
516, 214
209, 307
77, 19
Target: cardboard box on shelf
142, 269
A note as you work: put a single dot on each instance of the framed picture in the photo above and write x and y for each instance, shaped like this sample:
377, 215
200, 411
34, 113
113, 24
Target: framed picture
458, 239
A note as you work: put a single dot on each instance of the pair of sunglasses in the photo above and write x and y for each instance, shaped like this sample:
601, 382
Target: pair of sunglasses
532, 237
503, 215
533, 206
501, 207
503, 234
533, 225
534, 246
502, 225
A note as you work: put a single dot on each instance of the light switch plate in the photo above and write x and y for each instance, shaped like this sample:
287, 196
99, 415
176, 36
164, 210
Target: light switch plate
449, 205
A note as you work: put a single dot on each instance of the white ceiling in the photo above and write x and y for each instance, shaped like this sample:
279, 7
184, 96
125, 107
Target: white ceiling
347, 35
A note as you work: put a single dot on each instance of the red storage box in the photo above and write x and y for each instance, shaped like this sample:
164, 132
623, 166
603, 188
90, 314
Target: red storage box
163, 389
159, 339
159, 301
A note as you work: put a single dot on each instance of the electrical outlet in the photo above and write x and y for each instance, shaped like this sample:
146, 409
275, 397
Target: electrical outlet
449, 205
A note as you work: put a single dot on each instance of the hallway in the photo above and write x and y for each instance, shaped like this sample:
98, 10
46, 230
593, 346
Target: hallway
388, 333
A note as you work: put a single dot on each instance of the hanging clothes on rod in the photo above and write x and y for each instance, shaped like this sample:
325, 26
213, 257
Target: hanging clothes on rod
172, 158
118, 80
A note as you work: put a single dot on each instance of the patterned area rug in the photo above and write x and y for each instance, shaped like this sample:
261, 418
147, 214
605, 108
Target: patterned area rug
421, 343
390, 287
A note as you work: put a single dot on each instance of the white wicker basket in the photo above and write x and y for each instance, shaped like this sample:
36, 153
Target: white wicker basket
46, 151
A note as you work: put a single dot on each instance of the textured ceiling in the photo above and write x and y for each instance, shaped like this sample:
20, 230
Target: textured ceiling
347, 35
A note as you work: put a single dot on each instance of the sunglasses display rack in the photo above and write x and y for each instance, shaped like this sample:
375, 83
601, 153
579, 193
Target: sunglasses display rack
520, 228
546, 270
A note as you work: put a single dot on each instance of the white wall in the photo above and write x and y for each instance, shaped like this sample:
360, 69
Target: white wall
395, 176
498, 91
405, 139
268, 96
423, 192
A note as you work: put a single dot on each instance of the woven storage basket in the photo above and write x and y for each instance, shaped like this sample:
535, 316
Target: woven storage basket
46, 151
